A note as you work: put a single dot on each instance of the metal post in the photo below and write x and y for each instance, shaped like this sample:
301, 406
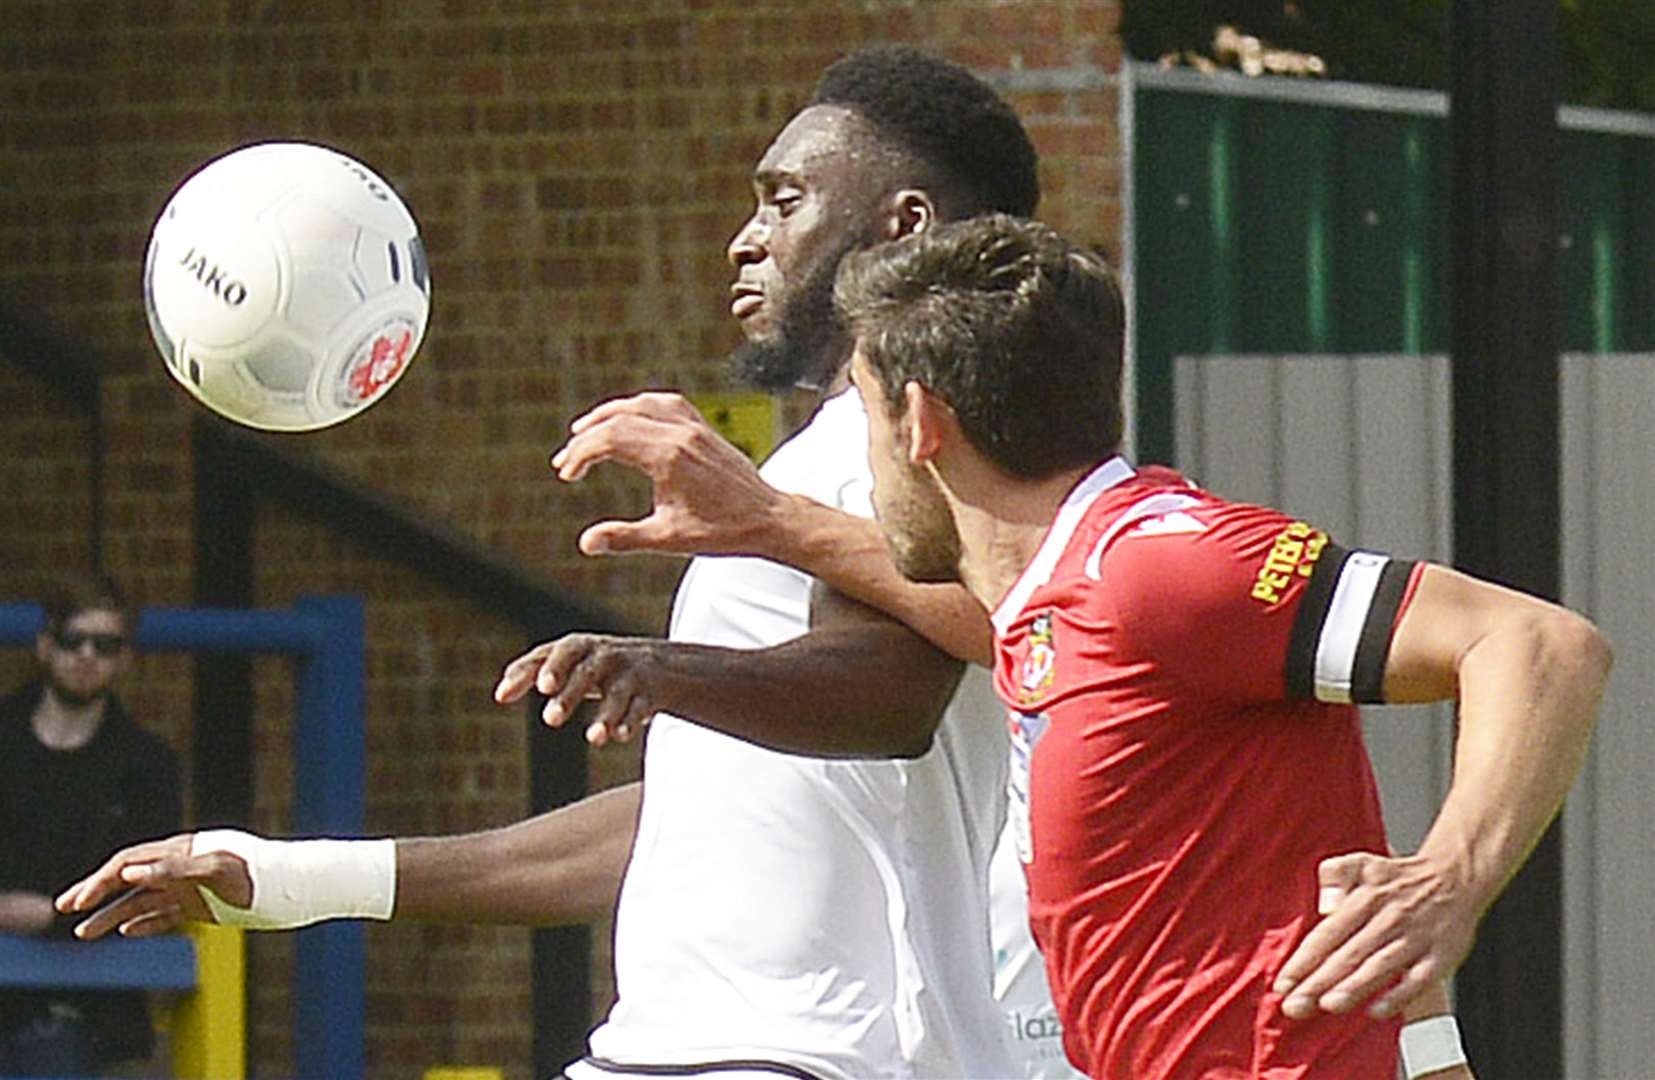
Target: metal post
1503, 130
329, 750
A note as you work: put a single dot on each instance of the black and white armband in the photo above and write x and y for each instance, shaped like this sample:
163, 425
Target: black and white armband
1342, 633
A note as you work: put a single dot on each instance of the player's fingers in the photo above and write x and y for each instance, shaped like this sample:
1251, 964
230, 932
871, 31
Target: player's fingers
1374, 936
91, 889
614, 714
107, 879
631, 440
1425, 973
652, 533
655, 404
559, 659
163, 919
519, 674
1370, 974
582, 679
1323, 940
1335, 878
174, 870
602, 411
110, 917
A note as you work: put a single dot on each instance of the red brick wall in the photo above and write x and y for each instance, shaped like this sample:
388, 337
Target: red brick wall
577, 169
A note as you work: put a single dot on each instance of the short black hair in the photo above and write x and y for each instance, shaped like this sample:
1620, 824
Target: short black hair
67, 597
946, 117
1019, 330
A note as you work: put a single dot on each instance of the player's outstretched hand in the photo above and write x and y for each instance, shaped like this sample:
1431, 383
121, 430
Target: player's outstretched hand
160, 880
1395, 926
709, 499
613, 672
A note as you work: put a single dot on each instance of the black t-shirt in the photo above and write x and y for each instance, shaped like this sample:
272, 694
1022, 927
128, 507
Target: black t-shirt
62, 812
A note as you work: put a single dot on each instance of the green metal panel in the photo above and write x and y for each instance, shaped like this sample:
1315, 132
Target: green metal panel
1390, 282
1316, 220
1184, 208
1285, 227
1637, 277
1591, 239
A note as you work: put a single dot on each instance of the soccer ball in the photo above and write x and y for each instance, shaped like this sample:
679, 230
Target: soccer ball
286, 286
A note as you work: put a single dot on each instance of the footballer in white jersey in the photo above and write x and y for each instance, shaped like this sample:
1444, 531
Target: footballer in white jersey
822, 917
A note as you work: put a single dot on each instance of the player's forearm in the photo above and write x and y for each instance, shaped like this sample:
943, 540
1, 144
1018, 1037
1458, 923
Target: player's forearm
564, 866
872, 689
1528, 698
25, 913
849, 554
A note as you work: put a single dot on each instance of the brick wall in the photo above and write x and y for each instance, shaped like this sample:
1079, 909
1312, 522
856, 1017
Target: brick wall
577, 169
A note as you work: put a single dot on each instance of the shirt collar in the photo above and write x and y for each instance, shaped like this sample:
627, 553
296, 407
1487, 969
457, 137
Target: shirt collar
1039, 571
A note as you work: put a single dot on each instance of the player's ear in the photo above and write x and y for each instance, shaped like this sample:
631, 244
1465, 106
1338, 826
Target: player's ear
910, 211
928, 419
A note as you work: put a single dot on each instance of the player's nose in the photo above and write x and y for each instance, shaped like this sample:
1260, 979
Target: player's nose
747, 246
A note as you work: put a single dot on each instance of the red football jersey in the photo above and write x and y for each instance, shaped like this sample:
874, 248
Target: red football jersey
1179, 671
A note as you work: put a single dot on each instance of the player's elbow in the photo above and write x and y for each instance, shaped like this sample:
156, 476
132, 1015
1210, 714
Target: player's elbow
1575, 653
1577, 637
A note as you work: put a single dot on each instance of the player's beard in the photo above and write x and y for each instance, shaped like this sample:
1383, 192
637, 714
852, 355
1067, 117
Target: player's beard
919, 528
810, 342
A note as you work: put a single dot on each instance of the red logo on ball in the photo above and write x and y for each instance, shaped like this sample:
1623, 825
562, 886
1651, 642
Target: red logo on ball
384, 362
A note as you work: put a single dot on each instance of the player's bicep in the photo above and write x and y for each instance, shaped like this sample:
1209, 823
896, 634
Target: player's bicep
1448, 615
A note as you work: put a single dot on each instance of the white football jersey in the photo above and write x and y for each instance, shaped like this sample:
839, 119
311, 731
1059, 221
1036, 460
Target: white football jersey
830, 916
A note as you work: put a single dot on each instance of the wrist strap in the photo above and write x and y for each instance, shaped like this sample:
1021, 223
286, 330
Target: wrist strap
299, 882
1431, 1045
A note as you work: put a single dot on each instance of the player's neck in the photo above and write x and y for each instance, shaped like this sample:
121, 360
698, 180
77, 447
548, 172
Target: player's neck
1002, 524
66, 725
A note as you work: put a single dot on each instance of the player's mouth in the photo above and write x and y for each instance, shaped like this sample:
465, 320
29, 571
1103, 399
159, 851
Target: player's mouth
745, 300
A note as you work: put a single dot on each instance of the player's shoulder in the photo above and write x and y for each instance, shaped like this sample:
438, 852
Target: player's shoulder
1160, 529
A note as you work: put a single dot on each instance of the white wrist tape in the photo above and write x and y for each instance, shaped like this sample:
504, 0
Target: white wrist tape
1431, 1045
299, 882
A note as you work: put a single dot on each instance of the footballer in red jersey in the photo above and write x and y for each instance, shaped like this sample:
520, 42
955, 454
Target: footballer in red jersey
1209, 876
1179, 671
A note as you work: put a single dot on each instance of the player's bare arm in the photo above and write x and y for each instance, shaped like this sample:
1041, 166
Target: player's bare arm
1527, 676
563, 866
859, 684
710, 500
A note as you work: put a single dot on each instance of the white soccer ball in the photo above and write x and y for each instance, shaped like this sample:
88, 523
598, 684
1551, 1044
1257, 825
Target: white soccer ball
286, 286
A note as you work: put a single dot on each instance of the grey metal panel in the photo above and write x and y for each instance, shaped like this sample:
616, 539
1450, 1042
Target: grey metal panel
1232, 425
1318, 453
1609, 822
1577, 391
1401, 429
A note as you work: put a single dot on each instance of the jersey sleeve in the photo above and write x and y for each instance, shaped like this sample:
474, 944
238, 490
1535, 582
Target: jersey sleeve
1247, 604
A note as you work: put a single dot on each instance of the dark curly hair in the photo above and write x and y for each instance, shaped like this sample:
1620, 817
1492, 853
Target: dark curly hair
946, 117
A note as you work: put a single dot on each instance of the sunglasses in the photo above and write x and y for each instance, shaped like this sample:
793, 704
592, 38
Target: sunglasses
102, 644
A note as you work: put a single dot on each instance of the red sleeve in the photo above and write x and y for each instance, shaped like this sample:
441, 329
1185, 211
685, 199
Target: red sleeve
1213, 605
